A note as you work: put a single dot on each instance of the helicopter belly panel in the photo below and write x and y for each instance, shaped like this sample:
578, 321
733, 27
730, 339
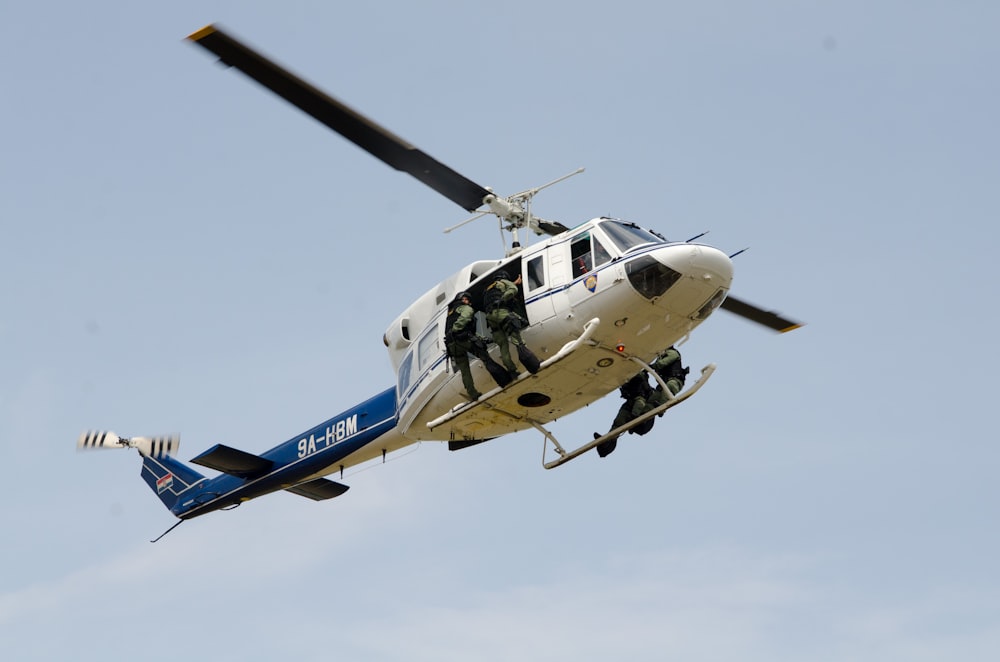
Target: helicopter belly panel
574, 381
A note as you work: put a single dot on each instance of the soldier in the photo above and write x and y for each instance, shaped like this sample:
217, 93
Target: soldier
640, 398
460, 340
670, 369
506, 323
636, 393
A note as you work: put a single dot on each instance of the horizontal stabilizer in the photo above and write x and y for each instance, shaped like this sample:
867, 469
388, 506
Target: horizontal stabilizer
234, 462
318, 489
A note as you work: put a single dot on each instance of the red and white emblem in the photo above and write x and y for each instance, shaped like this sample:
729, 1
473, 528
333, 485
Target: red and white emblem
164, 483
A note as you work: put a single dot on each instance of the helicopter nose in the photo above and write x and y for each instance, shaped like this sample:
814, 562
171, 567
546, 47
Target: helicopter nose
698, 263
690, 272
708, 273
710, 265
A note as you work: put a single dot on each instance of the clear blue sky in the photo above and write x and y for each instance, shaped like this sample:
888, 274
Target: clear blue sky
184, 252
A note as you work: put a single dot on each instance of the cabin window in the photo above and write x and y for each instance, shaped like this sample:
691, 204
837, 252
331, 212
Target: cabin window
429, 348
536, 273
404, 374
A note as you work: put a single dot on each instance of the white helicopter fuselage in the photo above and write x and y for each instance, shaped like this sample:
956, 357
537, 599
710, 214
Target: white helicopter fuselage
643, 293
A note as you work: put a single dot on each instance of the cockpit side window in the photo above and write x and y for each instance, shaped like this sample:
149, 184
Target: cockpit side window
581, 256
601, 254
587, 252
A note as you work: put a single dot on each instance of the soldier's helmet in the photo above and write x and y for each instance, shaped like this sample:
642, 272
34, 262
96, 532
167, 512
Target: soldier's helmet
501, 275
463, 295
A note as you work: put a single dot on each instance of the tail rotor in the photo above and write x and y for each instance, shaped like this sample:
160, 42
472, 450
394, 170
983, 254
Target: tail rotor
160, 446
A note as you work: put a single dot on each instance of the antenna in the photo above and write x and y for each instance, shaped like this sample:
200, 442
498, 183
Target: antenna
466, 221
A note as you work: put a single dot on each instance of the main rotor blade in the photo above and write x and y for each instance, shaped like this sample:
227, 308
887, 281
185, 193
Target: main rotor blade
552, 227
363, 132
770, 319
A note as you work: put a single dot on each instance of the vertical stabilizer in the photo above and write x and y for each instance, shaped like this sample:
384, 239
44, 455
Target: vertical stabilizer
172, 480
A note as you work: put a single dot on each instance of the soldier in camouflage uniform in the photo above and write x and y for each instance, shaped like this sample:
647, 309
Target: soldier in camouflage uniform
670, 369
506, 323
636, 393
460, 340
640, 398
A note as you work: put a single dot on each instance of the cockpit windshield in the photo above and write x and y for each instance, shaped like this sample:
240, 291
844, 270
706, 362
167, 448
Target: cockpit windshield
627, 236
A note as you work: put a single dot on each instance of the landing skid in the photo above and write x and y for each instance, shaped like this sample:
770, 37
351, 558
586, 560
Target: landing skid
565, 456
567, 349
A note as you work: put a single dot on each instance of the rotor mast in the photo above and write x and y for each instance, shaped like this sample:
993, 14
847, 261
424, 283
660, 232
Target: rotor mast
515, 210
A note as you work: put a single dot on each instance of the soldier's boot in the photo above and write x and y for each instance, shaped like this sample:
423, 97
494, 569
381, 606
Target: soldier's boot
528, 359
605, 448
499, 374
511, 368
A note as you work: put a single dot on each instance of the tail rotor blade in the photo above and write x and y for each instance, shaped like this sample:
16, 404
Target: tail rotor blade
95, 439
148, 446
157, 446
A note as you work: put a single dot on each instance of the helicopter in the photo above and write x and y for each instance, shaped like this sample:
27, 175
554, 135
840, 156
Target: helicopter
600, 301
